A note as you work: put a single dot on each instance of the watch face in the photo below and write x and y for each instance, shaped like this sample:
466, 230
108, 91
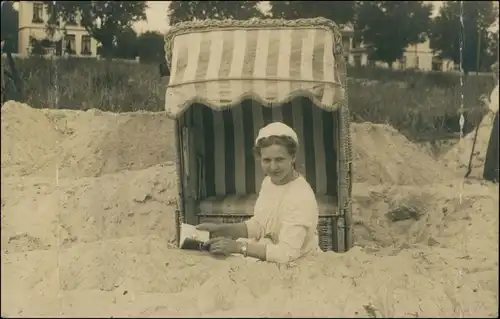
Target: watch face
204, 247
192, 244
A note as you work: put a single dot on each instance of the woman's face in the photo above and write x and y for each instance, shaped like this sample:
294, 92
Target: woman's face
276, 162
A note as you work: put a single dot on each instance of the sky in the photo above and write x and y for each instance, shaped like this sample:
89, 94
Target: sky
157, 17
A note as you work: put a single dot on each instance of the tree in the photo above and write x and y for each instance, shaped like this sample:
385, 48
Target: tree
151, 47
388, 27
10, 26
447, 32
103, 20
492, 53
39, 47
200, 10
340, 12
126, 44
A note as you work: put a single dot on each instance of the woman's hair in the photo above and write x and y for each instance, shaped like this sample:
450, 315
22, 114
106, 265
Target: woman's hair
285, 141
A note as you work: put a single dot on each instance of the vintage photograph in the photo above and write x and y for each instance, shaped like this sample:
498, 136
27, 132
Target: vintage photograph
265, 159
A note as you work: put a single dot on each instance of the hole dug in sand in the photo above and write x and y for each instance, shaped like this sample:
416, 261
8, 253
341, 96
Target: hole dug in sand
74, 248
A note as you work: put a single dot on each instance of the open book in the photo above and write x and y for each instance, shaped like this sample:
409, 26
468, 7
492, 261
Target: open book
193, 239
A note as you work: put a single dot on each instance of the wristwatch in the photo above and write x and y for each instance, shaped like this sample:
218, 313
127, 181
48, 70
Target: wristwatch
243, 250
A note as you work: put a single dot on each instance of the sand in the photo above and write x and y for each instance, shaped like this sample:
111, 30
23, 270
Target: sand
382, 155
97, 239
82, 144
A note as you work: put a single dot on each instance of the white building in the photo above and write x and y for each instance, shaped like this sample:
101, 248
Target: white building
354, 51
418, 56
32, 26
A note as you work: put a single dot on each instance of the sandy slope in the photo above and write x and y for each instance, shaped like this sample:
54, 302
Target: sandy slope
97, 240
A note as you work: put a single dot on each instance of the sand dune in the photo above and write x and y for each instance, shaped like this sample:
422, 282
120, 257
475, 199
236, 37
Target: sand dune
96, 239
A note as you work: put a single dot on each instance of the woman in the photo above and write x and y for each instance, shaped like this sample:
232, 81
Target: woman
284, 225
491, 167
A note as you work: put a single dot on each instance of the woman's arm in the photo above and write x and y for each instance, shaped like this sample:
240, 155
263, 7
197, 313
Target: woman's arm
301, 216
234, 231
256, 250
291, 240
251, 228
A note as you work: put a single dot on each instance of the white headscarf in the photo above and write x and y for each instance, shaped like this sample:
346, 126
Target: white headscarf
277, 129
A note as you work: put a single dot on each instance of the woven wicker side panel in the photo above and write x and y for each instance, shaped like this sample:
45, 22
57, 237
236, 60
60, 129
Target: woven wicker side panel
345, 161
3, 82
346, 205
179, 216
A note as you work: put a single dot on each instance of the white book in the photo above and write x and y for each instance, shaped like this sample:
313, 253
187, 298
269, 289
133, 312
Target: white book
192, 238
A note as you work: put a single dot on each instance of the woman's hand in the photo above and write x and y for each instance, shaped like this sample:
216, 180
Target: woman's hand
224, 246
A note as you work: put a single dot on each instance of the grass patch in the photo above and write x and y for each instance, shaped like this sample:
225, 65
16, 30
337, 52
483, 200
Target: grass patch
422, 105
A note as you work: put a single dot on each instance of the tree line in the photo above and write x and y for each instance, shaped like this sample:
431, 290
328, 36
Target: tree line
386, 28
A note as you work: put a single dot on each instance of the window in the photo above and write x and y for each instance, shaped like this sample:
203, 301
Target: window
70, 44
36, 46
356, 43
71, 20
37, 13
53, 19
86, 45
436, 65
59, 48
32, 43
357, 60
345, 44
402, 63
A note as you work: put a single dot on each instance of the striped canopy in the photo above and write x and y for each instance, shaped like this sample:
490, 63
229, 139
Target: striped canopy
221, 63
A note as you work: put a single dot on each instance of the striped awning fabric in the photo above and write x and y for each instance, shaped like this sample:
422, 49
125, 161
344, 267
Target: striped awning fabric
221, 63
